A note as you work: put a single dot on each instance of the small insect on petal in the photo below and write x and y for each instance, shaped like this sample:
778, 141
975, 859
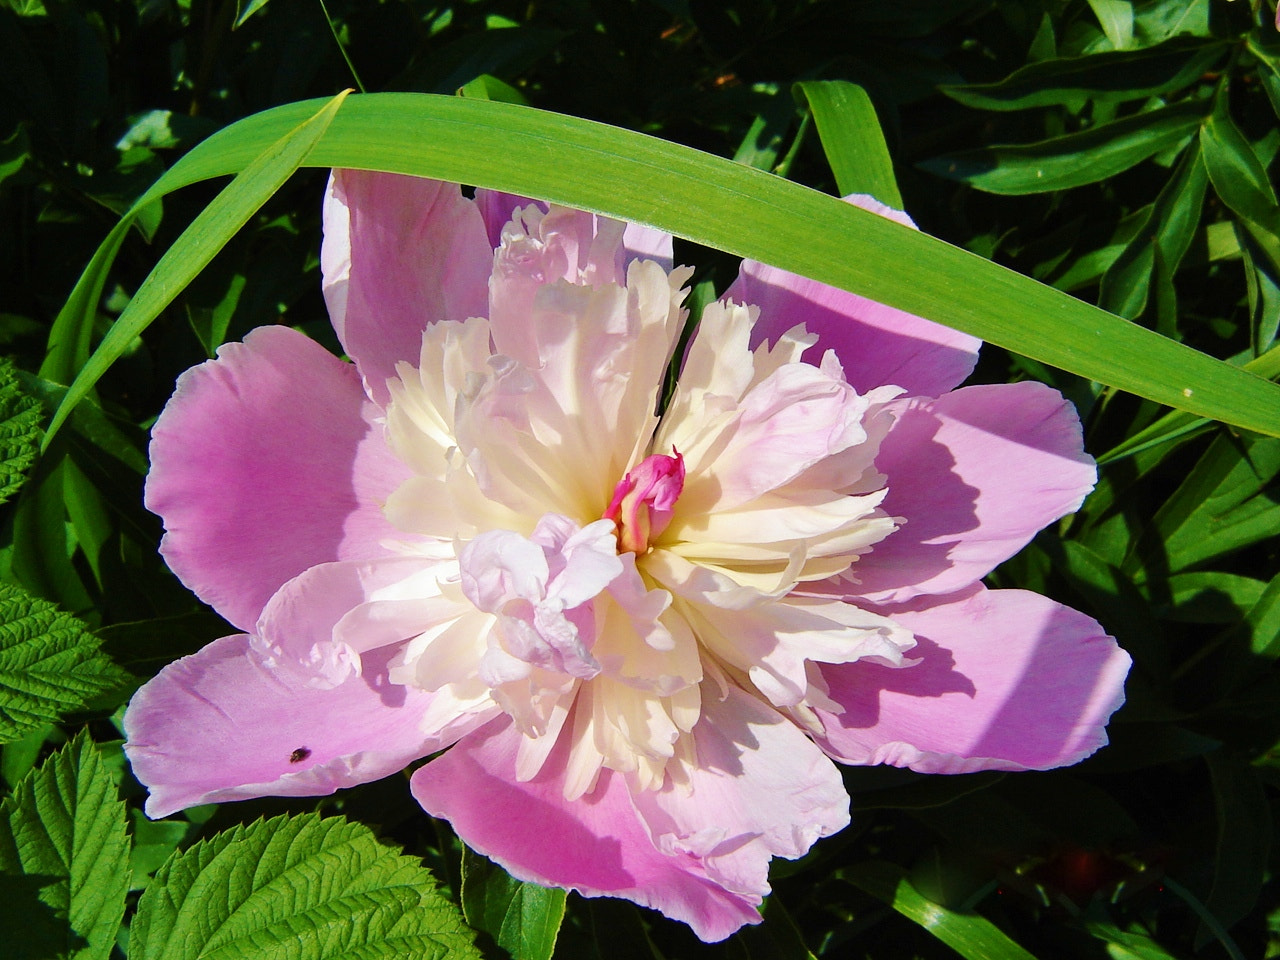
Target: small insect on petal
300, 754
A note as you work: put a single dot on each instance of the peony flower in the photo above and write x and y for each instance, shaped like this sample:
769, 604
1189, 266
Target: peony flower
642, 634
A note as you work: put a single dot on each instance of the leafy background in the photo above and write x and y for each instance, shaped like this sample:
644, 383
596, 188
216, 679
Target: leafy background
1120, 151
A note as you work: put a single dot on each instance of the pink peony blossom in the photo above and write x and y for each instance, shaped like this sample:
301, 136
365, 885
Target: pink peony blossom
643, 639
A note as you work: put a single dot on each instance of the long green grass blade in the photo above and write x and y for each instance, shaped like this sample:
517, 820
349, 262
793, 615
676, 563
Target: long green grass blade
748, 213
197, 245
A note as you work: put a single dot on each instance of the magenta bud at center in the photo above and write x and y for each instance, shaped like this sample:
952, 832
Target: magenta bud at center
644, 500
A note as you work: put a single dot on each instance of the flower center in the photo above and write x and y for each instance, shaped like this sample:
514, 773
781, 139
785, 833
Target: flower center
644, 500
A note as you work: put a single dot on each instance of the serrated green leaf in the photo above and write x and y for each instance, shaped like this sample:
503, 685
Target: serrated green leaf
523, 918
1075, 159
970, 935
852, 139
19, 432
50, 663
64, 853
301, 888
1110, 75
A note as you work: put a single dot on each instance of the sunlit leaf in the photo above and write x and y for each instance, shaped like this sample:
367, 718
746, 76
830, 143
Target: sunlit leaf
852, 139
1165, 235
301, 888
523, 918
1238, 174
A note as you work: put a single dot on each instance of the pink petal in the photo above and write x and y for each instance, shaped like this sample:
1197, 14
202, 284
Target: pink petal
265, 462
399, 253
761, 789
1009, 680
496, 208
218, 725
596, 845
876, 344
320, 622
976, 473
639, 241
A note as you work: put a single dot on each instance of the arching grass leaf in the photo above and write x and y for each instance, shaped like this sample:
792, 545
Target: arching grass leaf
852, 139
733, 208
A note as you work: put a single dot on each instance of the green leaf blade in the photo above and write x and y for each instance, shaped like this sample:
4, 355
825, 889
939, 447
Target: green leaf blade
852, 139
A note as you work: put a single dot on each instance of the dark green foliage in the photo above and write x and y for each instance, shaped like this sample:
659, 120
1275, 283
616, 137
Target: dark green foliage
1122, 151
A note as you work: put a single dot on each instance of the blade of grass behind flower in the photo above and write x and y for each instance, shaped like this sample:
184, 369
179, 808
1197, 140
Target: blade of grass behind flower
208, 233
851, 138
748, 213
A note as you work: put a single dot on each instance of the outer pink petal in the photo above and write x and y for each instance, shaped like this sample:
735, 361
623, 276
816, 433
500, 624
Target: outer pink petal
265, 462
876, 344
596, 845
762, 789
976, 474
218, 726
1009, 680
399, 253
